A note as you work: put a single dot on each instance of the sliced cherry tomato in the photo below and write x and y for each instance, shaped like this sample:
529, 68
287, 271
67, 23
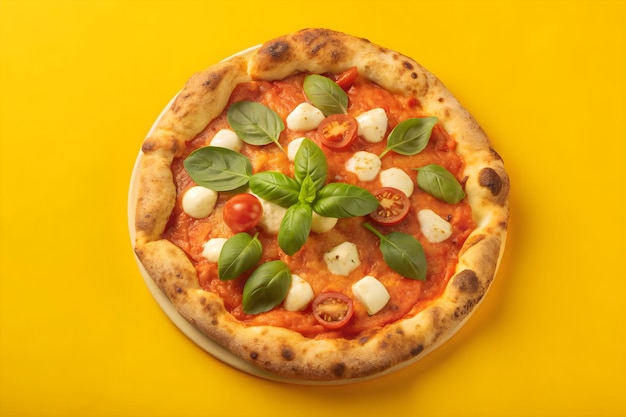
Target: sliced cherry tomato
242, 212
393, 206
338, 131
332, 309
346, 79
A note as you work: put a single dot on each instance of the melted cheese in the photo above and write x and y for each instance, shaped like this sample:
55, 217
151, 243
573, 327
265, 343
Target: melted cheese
371, 293
304, 117
299, 294
365, 165
342, 259
372, 125
433, 226
198, 202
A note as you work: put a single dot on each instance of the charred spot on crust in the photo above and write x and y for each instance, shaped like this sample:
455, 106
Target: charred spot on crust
338, 369
278, 50
416, 350
254, 355
287, 354
489, 178
364, 340
466, 281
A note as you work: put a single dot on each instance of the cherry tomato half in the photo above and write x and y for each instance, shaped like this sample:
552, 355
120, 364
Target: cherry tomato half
393, 206
346, 79
338, 131
242, 212
332, 309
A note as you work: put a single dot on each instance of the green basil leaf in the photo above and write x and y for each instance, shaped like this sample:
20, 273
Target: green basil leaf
341, 200
217, 168
275, 187
255, 123
410, 136
266, 287
440, 183
310, 161
307, 191
325, 94
240, 253
402, 253
295, 228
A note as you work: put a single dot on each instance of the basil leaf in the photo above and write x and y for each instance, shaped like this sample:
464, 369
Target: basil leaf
218, 169
307, 191
325, 94
255, 123
341, 200
410, 136
402, 253
295, 228
440, 183
240, 253
266, 288
275, 187
310, 161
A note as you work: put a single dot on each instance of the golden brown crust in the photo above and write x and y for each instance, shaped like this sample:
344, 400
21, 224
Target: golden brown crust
277, 350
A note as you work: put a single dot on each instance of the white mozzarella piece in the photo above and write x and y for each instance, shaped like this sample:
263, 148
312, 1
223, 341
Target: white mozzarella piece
434, 227
365, 165
322, 224
342, 259
199, 202
292, 148
299, 294
212, 248
304, 117
397, 178
226, 138
372, 125
371, 293
273, 215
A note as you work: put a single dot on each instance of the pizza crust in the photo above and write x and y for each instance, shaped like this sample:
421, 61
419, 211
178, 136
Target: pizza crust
281, 351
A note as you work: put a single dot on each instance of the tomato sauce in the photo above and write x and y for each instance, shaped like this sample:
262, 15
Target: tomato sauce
407, 296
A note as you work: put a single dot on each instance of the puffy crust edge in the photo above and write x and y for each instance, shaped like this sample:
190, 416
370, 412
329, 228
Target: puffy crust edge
281, 351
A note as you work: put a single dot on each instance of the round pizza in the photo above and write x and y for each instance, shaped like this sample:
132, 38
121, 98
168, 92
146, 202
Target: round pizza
321, 207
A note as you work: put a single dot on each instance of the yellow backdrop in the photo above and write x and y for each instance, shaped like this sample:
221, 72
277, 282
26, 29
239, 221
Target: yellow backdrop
81, 83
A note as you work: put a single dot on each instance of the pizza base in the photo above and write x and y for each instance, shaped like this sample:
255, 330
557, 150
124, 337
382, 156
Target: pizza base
280, 351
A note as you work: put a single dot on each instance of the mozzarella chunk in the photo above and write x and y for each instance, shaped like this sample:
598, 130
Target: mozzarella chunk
398, 179
212, 248
433, 226
304, 117
322, 224
371, 293
226, 138
342, 259
199, 202
372, 125
365, 165
272, 216
299, 294
292, 148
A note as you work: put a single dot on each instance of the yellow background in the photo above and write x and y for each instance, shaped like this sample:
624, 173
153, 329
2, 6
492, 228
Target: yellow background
81, 83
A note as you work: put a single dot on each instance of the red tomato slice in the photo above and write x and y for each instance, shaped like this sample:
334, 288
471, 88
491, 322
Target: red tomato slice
242, 212
332, 309
393, 206
338, 131
346, 79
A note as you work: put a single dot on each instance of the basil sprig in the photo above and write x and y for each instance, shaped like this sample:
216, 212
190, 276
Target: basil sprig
402, 252
266, 287
410, 136
240, 253
440, 183
325, 94
337, 200
255, 123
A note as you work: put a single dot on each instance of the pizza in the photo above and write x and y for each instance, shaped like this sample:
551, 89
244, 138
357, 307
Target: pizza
321, 207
